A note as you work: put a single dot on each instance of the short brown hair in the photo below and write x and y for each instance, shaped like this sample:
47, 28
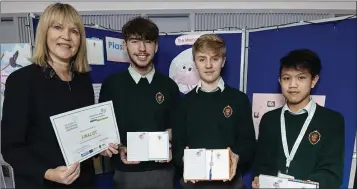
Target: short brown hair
140, 28
210, 42
59, 13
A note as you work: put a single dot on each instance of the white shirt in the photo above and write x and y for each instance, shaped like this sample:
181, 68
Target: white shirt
220, 85
136, 76
307, 108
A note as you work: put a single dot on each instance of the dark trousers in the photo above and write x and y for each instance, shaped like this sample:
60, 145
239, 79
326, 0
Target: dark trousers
155, 179
235, 183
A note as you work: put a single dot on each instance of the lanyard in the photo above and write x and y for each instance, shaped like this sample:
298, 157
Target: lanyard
290, 157
211, 165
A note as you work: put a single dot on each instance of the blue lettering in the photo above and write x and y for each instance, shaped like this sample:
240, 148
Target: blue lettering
115, 45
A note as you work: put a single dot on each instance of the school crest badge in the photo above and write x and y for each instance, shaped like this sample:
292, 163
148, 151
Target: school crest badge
159, 97
314, 137
227, 111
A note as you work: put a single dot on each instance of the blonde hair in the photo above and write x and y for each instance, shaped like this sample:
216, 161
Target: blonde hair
210, 42
59, 13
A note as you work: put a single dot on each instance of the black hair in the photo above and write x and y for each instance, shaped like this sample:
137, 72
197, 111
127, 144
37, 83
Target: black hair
140, 28
302, 59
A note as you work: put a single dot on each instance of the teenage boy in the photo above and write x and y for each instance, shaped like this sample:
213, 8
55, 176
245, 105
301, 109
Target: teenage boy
142, 100
301, 139
214, 115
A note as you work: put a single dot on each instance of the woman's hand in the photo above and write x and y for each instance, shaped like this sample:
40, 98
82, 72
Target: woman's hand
113, 149
63, 174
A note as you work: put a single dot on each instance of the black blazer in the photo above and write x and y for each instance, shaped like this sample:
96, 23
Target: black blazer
29, 144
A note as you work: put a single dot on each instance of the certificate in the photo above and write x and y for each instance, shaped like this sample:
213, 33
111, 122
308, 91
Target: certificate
85, 132
148, 146
206, 164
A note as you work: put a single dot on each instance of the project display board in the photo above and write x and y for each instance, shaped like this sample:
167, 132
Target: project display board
174, 57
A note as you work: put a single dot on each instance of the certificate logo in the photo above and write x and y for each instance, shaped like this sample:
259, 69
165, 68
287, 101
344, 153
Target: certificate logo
85, 154
99, 116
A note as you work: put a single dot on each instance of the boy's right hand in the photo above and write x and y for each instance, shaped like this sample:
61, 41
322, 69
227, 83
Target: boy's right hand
255, 183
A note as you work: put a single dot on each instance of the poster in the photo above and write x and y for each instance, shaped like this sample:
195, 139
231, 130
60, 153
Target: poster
115, 50
264, 102
95, 50
13, 56
183, 71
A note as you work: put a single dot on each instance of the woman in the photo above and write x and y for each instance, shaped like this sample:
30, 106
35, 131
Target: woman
56, 82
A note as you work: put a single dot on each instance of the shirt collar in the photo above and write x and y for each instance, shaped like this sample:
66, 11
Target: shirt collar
136, 76
220, 85
307, 108
50, 73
